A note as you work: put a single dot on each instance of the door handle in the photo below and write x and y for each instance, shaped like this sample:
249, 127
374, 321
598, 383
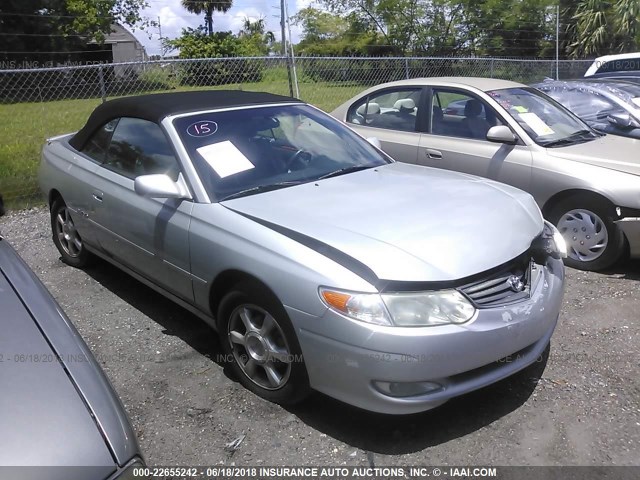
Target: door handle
431, 153
97, 196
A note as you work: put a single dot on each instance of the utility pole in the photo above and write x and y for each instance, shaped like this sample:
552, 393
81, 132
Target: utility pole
291, 53
161, 42
557, 40
282, 29
284, 45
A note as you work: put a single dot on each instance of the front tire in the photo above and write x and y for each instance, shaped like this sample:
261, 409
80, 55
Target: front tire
594, 241
66, 237
260, 344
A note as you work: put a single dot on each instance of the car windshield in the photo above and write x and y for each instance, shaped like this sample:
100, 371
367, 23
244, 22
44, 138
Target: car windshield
547, 122
251, 150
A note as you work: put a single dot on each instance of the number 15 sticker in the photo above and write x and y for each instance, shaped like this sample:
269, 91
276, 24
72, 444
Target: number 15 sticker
203, 128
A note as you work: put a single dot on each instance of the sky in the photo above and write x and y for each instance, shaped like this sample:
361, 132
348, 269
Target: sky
173, 18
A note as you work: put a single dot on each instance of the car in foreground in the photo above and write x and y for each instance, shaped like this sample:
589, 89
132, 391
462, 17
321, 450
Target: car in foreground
586, 183
59, 416
322, 263
607, 106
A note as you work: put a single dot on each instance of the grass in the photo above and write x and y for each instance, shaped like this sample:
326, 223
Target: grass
24, 127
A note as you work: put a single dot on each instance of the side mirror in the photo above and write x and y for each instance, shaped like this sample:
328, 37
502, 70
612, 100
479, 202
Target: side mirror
375, 141
501, 134
160, 186
620, 119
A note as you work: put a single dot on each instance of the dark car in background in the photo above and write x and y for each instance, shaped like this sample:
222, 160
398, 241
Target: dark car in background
59, 416
608, 106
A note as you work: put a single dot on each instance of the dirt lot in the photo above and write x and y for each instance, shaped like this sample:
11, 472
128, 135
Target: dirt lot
580, 407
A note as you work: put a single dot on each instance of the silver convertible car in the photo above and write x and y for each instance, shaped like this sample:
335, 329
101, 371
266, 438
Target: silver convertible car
322, 263
586, 183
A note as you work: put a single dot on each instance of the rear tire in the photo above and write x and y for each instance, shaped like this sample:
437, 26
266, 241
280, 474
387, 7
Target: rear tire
66, 238
594, 241
260, 344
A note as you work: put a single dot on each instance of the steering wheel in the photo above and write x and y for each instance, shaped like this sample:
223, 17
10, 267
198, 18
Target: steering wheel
301, 157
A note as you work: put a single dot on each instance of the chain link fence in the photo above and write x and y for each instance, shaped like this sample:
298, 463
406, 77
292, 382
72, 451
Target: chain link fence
39, 103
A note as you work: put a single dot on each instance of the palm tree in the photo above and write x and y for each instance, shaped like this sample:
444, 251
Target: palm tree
207, 7
628, 20
257, 27
600, 27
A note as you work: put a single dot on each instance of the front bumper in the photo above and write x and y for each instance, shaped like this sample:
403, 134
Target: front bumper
631, 228
346, 359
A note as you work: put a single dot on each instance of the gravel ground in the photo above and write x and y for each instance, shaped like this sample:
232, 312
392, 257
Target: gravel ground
579, 407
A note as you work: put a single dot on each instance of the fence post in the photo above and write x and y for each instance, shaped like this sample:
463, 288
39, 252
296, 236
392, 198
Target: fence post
406, 67
492, 60
103, 90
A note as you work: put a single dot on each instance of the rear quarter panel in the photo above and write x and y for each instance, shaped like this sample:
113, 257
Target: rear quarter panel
68, 172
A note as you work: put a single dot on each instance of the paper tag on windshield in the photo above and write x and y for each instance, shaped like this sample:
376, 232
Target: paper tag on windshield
225, 158
536, 124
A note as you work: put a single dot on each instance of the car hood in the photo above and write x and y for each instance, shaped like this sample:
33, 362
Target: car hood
610, 151
43, 420
405, 222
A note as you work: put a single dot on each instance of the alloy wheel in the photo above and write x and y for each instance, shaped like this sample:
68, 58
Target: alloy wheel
259, 346
67, 234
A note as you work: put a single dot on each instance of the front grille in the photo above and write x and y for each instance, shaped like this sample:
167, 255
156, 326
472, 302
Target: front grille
508, 285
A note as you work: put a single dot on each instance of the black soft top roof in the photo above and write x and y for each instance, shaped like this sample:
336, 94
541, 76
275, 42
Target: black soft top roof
157, 106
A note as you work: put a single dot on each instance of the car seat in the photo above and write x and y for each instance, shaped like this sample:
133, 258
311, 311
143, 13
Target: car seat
437, 120
477, 126
367, 112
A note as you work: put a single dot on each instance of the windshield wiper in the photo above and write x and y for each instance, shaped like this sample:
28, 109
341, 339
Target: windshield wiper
342, 171
261, 189
576, 137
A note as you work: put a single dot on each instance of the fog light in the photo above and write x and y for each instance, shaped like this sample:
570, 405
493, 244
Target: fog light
406, 389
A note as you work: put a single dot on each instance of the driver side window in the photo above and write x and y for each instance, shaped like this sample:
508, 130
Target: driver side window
395, 109
133, 147
458, 114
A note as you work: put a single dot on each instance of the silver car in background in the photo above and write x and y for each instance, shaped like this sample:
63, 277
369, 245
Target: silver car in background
586, 183
322, 263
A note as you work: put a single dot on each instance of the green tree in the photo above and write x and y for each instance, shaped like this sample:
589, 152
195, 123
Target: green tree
326, 33
35, 28
198, 43
448, 27
600, 27
253, 33
627, 14
251, 41
207, 7
511, 27
94, 18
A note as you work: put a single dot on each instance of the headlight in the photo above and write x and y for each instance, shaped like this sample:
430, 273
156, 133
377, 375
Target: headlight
367, 307
550, 242
412, 309
424, 309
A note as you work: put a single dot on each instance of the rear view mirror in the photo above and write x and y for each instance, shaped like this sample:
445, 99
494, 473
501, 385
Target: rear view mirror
501, 134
